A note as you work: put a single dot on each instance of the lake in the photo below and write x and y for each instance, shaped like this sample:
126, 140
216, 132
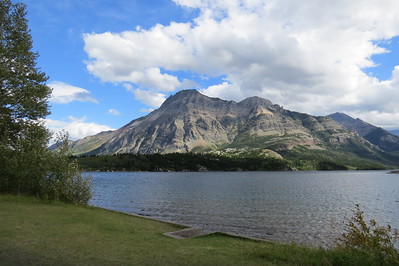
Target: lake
303, 207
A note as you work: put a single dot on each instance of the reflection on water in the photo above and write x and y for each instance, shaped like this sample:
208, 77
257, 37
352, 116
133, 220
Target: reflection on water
304, 207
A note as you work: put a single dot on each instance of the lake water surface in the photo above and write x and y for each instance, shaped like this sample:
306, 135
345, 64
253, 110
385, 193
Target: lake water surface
303, 207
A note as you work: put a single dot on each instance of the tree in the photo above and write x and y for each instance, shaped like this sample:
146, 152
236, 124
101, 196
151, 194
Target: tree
26, 165
24, 94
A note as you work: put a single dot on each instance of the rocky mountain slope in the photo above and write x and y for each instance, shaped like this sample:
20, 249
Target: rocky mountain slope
191, 122
376, 135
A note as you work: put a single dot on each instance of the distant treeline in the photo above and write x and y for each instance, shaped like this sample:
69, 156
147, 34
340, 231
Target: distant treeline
213, 162
179, 162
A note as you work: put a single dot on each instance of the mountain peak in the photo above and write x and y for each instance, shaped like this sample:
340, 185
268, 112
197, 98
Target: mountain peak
255, 100
188, 92
183, 96
186, 98
342, 117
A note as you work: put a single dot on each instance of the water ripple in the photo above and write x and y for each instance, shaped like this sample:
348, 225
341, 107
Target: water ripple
303, 207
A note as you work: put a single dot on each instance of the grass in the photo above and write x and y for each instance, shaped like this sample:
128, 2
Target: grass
36, 232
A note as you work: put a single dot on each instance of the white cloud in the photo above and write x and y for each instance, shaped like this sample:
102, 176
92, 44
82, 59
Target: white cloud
223, 89
76, 127
152, 78
115, 57
306, 55
189, 3
150, 98
64, 93
114, 112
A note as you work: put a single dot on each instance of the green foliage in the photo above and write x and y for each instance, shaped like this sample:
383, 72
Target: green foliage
23, 103
22, 166
26, 165
34, 170
328, 165
23, 93
371, 239
63, 181
303, 158
300, 158
180, 162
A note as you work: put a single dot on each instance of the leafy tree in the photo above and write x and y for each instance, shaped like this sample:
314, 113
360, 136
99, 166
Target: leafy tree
26, 165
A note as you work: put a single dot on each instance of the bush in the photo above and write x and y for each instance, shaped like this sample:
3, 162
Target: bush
370, 238
63, 180
32, 169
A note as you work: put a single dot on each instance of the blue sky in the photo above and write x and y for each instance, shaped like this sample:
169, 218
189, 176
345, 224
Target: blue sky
386, 62
57, 28
110, 62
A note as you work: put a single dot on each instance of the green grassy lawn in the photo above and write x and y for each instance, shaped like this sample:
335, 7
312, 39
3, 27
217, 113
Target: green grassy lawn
36, 232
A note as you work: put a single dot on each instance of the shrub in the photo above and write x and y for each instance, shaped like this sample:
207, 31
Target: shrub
370, 238
63, 180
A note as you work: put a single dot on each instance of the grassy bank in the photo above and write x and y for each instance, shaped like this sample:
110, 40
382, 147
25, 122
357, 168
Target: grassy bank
35, 232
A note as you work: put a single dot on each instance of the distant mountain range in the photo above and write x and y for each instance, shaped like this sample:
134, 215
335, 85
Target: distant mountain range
192, 122
376, 135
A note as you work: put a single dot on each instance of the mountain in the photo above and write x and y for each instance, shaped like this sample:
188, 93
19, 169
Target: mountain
192, 122
376, 135
350, 123
395, 132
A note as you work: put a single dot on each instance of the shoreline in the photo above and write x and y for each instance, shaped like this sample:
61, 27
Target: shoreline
388, 171
184, 227
40, 232
191, 231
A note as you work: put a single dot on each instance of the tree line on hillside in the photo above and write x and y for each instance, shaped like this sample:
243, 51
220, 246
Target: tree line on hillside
179, 162
208, 162
26, 165
293, 160
305, 159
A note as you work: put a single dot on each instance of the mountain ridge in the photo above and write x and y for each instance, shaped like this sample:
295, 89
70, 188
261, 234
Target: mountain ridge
384, 139
189, 121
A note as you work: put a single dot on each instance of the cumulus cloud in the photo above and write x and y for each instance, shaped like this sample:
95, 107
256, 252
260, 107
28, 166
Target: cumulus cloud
223, 89
64, 93
150, 98
306, 55
153, 78
76, 127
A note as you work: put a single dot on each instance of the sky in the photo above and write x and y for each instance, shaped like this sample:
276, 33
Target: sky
110, 62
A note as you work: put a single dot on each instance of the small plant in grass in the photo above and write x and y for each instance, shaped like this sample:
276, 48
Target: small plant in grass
370, 238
